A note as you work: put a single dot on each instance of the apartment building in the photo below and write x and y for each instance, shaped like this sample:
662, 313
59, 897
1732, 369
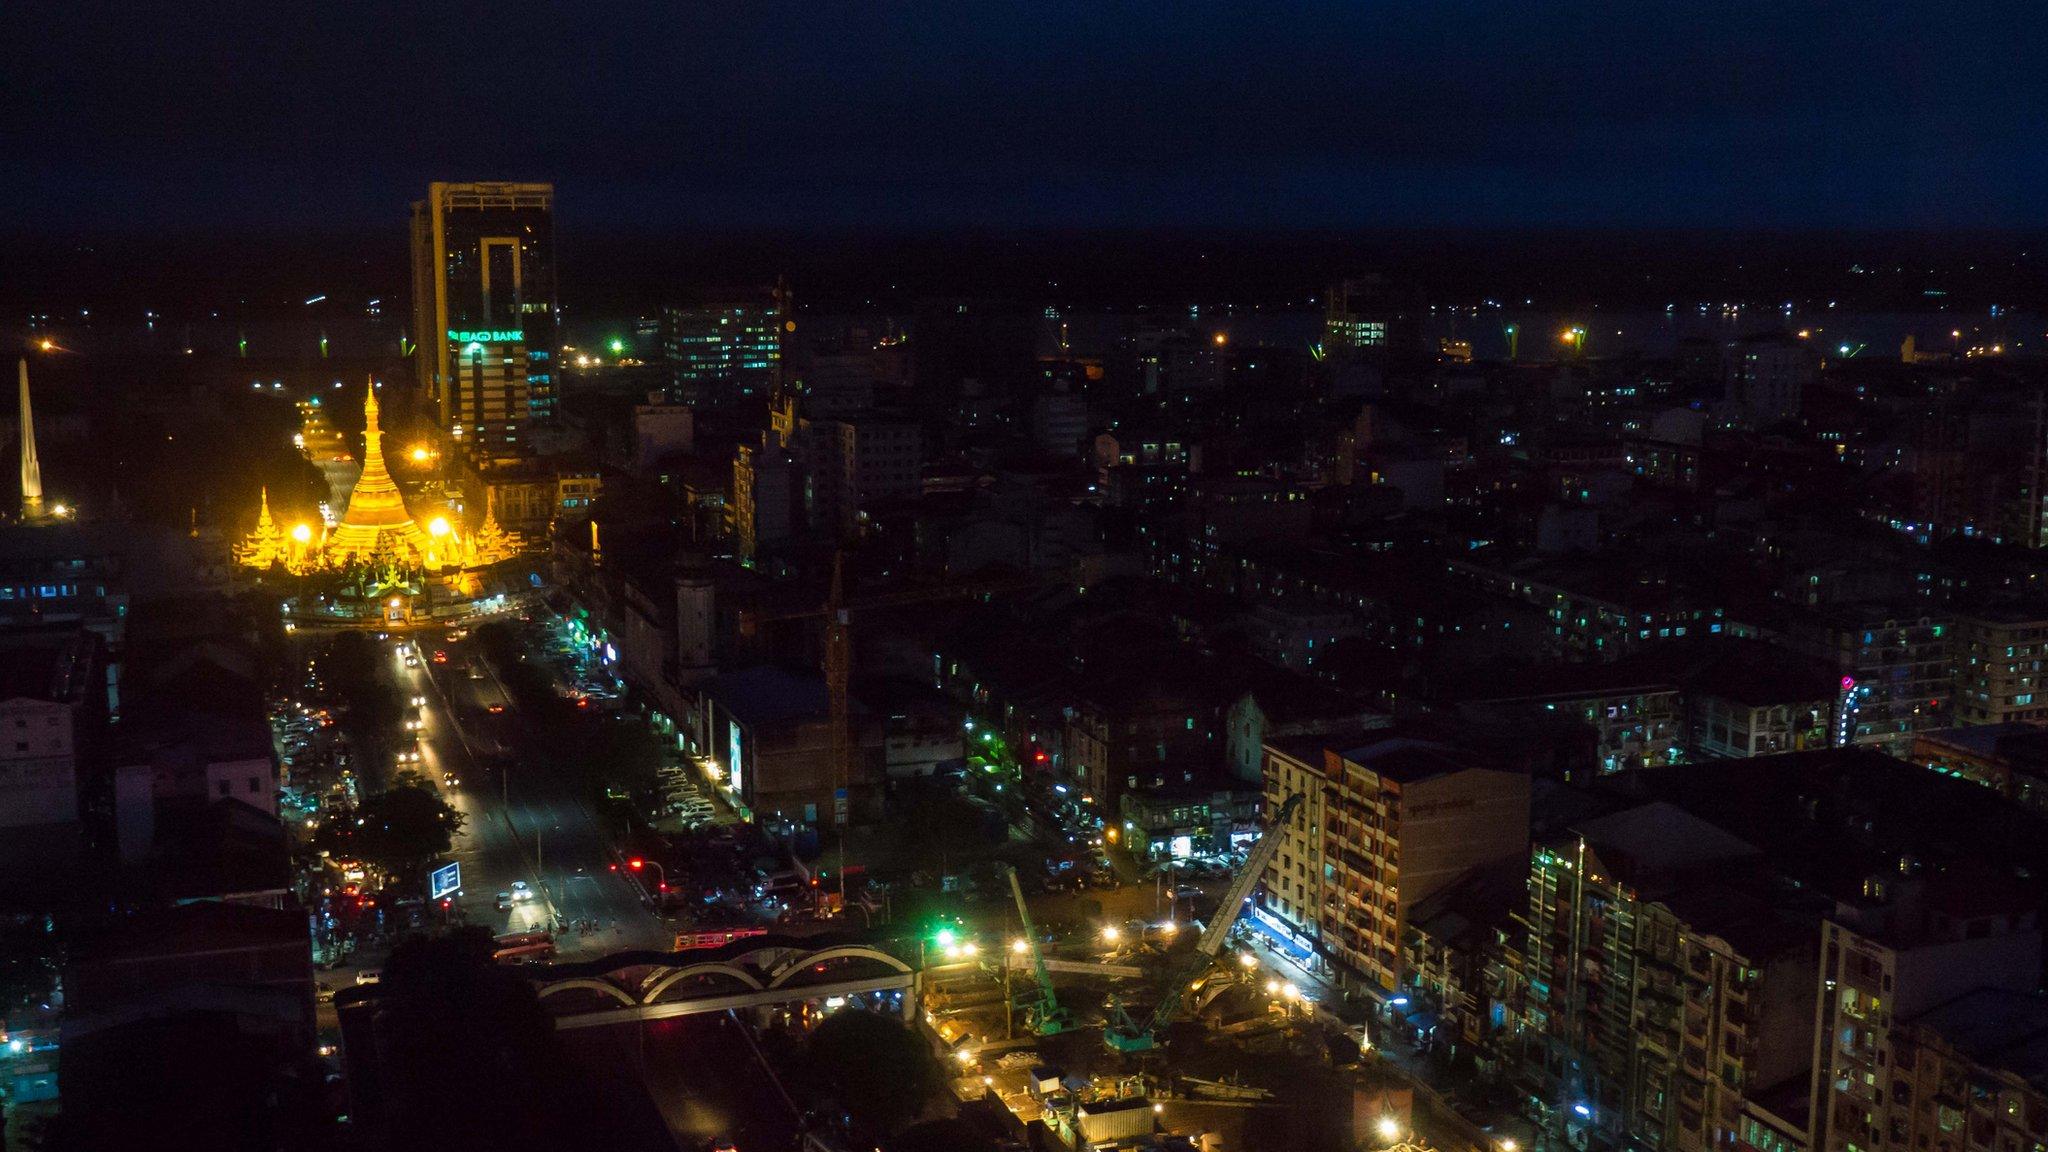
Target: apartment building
1387, 819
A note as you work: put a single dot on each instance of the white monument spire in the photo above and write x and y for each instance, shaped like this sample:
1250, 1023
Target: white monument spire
31, 468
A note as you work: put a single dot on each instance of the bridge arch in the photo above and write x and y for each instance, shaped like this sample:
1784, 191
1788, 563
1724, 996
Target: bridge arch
586, 984
709, 968
844, 951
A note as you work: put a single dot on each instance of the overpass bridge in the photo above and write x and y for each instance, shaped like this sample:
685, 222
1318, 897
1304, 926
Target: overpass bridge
758, 972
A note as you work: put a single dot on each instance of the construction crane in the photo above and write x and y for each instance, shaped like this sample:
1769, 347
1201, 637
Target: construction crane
1043, 1014
1123, 1034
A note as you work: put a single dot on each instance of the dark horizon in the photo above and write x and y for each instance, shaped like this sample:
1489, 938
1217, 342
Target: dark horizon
624, 271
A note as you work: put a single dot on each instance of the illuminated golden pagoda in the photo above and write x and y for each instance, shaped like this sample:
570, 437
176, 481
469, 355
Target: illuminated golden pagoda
377, 523
266, 545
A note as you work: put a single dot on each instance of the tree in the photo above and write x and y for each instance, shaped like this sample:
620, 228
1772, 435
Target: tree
470, 1060
880, 1071
399, 830
354, 667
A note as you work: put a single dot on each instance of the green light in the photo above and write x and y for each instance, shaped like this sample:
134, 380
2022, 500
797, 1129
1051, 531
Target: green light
618, 346
488, 336
945, 937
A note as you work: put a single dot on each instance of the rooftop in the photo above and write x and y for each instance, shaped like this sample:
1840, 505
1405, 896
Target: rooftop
1661, 836
1997, 1028
1405, 759
52, 666
769, 695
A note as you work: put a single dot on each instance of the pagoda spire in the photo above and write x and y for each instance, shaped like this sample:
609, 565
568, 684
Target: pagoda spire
265, 545
375, 508
31, 467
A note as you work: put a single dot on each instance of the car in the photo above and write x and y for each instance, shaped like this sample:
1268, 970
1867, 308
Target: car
369, 976
323, 994
504, 901
440, 657
412, 661
496, 709
448, 779
419, 700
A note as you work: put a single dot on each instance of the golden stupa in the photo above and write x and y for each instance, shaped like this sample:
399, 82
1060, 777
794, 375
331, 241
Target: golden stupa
267, 544
377, 521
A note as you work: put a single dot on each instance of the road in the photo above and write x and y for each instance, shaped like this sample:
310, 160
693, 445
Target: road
702, 1075
524, 822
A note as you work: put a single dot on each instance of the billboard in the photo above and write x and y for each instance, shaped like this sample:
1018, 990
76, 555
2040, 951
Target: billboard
446, 881
736, 753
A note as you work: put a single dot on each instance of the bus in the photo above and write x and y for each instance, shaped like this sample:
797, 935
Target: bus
714, 938
523, 948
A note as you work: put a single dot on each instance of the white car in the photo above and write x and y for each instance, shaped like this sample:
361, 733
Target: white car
369, 976
520, 891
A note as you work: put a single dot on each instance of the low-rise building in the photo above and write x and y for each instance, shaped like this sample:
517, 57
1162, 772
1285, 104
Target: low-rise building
2010, 759
770, 734
1178, 822
1999, 657
52, 703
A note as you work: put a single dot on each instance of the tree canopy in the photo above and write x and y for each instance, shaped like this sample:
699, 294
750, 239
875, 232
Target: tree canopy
470, 1059
880, 1071
400, 830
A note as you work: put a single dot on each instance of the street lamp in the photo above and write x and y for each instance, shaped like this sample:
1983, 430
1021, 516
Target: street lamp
438, 526
1389, 1129
1110, 935
1019, 947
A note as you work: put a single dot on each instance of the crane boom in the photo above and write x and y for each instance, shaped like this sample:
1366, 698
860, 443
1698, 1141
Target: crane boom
1125, 1035
1246, 879
1030, 934
1046, 1016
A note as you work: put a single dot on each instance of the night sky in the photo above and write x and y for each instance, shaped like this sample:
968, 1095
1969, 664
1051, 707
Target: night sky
681, 115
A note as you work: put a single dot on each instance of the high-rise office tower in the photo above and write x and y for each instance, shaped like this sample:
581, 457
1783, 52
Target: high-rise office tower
725, 345
484, 312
